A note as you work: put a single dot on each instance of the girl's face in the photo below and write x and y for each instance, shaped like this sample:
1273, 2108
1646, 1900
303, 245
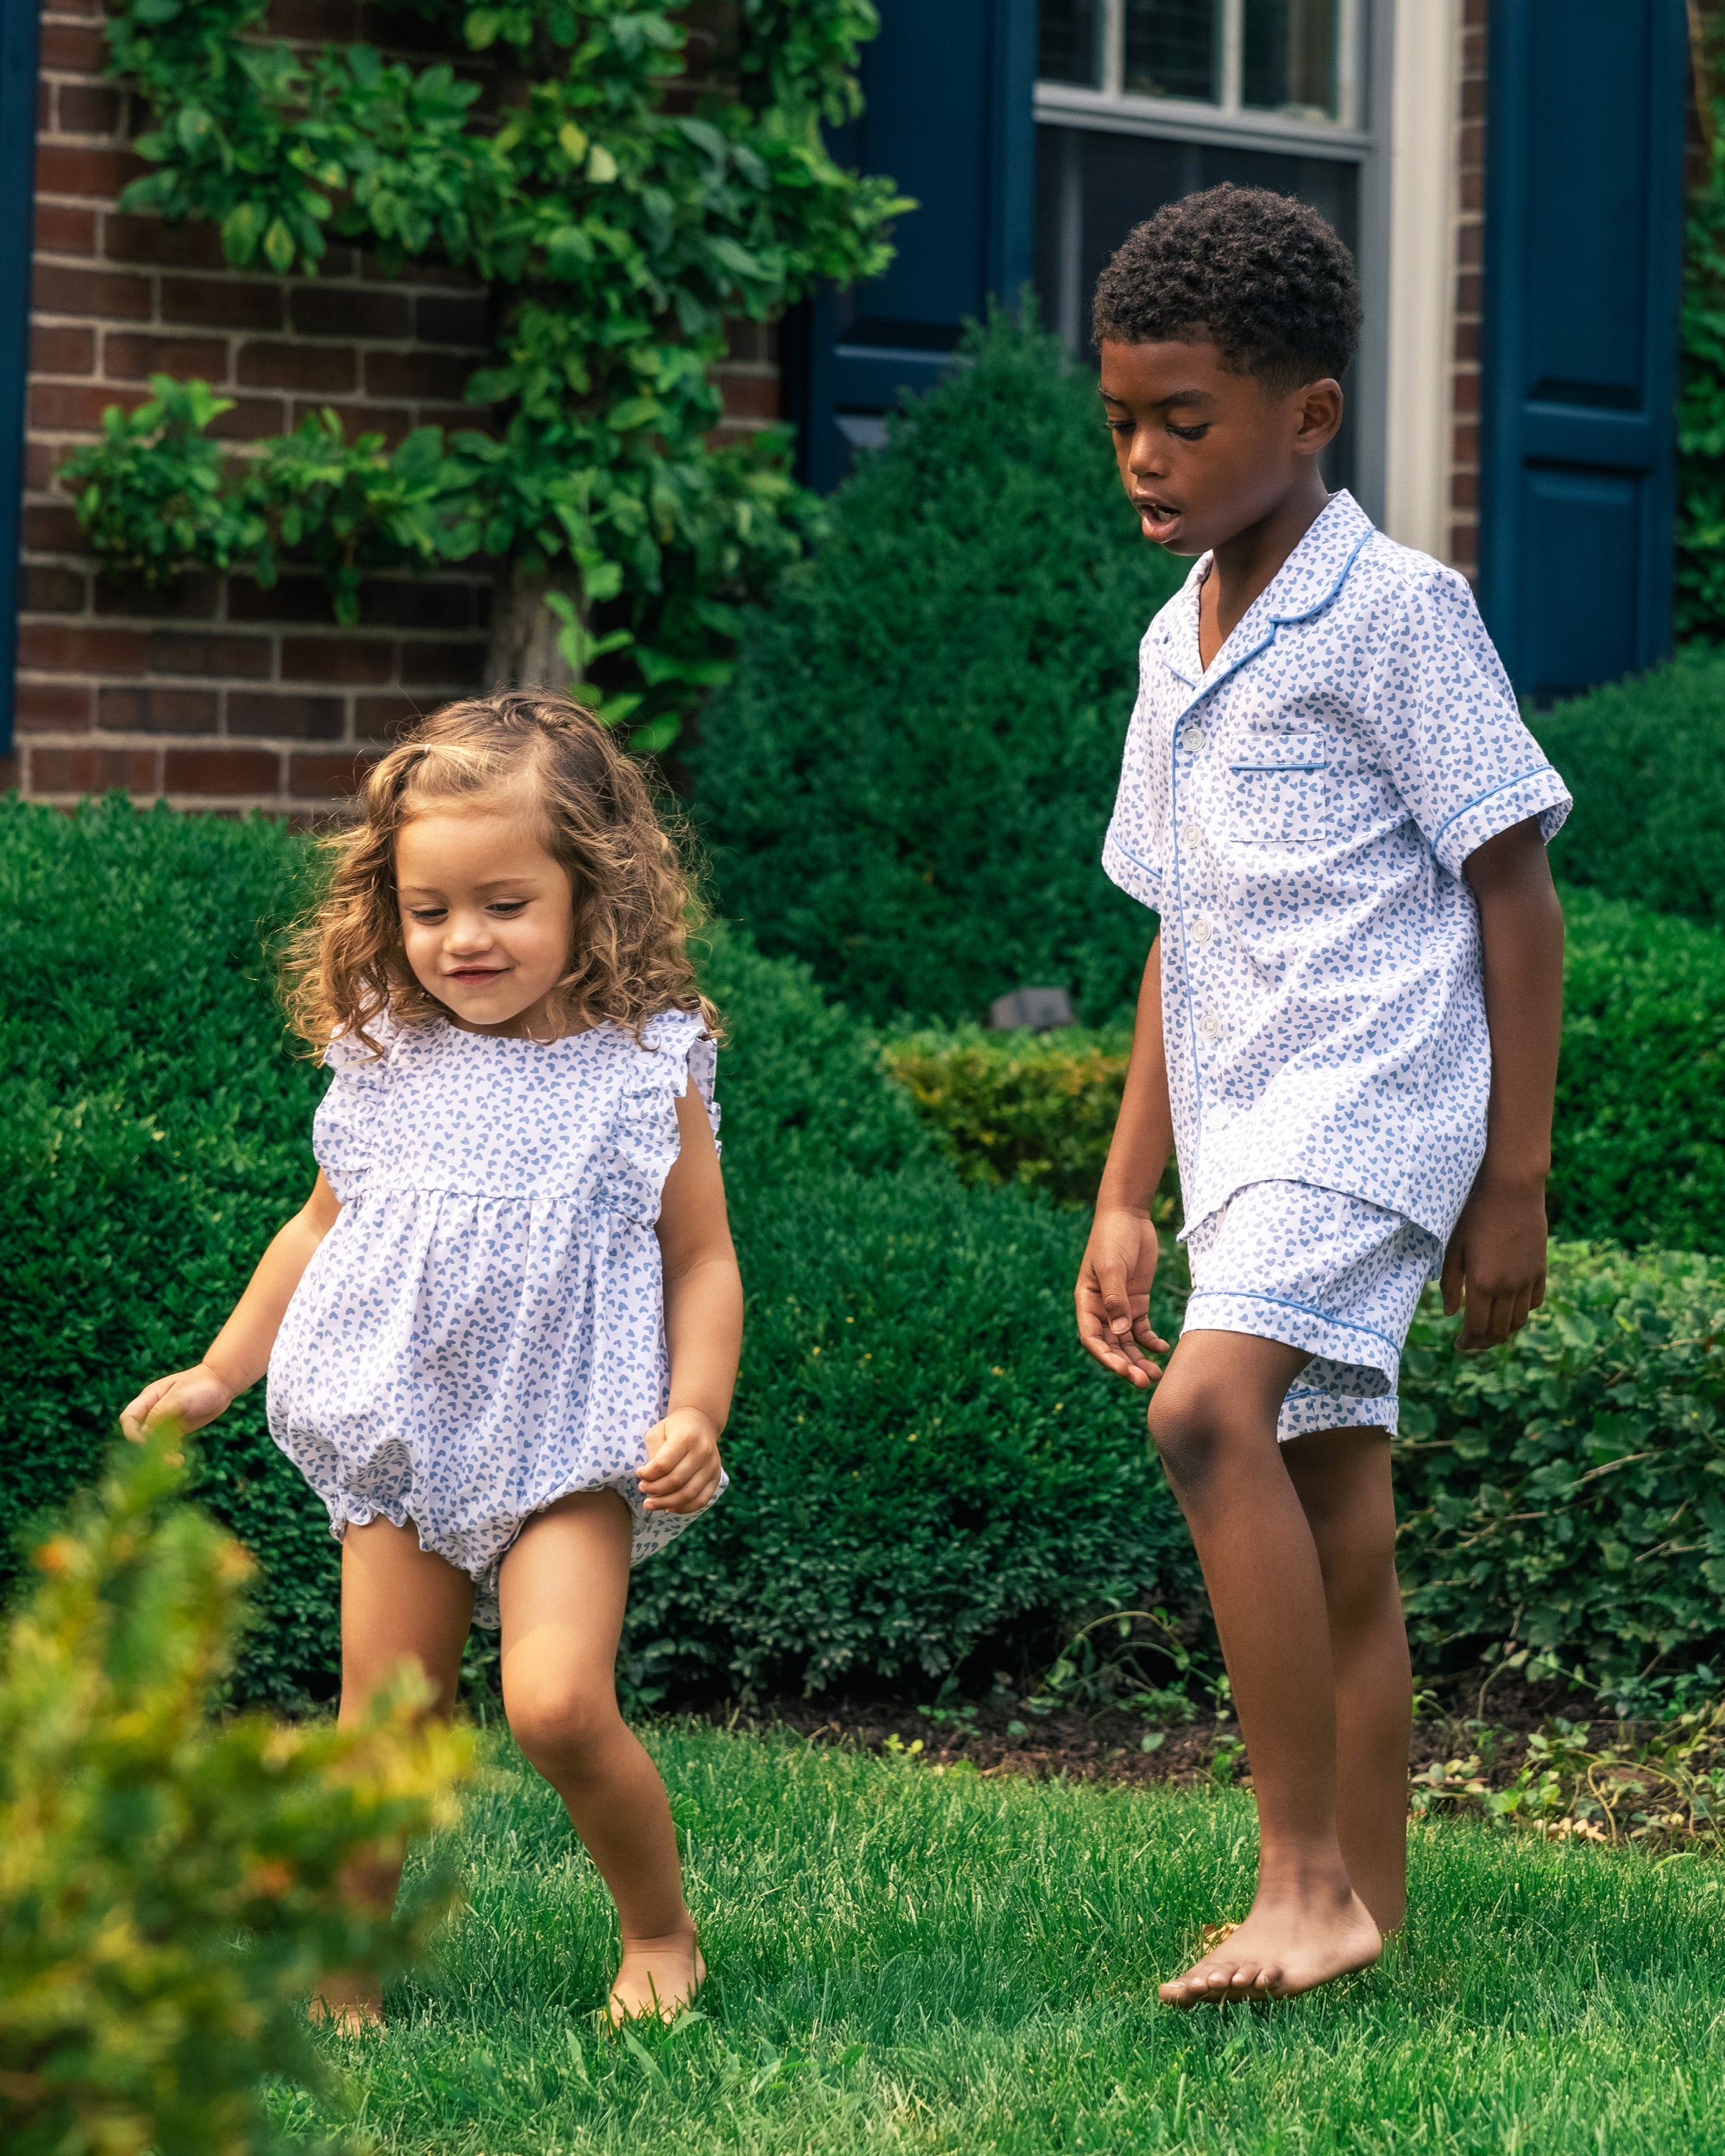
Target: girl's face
487, 916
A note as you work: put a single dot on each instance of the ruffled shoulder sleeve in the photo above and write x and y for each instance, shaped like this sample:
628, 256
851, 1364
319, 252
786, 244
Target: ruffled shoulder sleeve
674, 1049
343, 1133
677, 1047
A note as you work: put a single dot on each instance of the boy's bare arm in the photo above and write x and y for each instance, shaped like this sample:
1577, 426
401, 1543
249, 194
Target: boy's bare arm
1113, 1291
1495, 1258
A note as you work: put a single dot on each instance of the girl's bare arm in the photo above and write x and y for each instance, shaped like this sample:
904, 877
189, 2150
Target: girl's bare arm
239, 1354
703, 1321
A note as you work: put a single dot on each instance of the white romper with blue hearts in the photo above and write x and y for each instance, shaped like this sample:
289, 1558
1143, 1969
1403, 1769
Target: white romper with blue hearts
482, 1331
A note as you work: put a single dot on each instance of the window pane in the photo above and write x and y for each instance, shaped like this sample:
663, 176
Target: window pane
1174, 49
1289, 62
1068, 43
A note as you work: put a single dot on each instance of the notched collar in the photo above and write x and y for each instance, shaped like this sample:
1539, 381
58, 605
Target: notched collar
1303, 586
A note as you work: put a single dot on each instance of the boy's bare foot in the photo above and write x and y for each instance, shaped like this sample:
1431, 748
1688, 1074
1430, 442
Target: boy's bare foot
351, 2005
1289, 1944
659, 1978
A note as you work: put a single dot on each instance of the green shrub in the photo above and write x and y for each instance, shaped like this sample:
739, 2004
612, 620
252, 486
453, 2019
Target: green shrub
907, 780
1638, 1155
1646, 762
159, 1131
169, 1885
1034, 1108
1639, 1143
1564, 1497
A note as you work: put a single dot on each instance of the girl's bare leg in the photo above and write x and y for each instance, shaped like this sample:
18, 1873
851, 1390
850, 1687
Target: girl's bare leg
1342, 1478
562, 1588
1213, 1416
398, 1604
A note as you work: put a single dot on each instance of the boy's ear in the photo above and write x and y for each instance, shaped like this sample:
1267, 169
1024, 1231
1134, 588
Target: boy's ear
1317, 415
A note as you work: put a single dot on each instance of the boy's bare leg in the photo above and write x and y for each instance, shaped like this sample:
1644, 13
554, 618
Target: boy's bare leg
562, 1588
1213, 1416
1342, 1478
398, 1604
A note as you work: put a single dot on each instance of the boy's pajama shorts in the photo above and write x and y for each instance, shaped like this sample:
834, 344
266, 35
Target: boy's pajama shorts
1334, 1275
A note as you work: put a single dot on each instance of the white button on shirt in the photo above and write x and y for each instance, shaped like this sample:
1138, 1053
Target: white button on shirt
1360, 741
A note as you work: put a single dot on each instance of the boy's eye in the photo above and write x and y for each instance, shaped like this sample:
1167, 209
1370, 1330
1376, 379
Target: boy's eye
1187, 434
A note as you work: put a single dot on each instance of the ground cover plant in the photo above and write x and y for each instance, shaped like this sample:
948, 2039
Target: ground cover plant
905, 1959
907, 780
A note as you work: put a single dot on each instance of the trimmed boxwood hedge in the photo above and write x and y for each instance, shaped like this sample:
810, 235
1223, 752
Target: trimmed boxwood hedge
157, 1132
931, 1479
1645, 760
908, 780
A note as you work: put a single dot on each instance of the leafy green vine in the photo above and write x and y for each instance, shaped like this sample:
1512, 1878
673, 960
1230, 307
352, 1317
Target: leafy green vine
618, 221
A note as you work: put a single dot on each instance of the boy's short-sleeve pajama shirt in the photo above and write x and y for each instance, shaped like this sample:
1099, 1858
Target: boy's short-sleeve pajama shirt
1298, 815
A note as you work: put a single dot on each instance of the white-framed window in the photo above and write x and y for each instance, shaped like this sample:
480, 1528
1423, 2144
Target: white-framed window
1139, 102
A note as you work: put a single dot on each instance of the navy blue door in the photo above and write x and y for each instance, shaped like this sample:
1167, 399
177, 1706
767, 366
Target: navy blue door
948, 89
1584, 239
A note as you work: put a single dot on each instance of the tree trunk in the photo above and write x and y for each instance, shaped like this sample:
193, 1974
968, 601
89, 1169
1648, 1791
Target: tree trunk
524, 653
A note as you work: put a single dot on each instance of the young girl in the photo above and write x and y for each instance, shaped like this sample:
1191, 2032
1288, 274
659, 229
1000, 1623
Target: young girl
502, 1333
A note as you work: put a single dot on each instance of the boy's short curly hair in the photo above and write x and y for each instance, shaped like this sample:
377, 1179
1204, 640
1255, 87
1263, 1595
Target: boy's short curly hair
1264, 278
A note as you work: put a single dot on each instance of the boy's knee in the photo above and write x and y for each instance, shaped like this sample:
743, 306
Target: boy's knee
1189, 1421
556, 1719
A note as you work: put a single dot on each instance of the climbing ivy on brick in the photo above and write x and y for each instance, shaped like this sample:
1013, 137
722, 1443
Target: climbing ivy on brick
618, 213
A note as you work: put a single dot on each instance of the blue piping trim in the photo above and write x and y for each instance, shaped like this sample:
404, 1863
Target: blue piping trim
1502, 786
1282, 1302
1278, 767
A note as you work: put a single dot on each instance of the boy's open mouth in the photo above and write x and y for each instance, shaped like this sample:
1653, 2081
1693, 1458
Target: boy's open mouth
1158, 517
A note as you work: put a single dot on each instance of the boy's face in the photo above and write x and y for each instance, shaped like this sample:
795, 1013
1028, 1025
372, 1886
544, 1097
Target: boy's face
1205, 453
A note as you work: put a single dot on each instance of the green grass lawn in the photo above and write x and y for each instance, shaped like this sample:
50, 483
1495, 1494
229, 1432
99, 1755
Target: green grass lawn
905, 1959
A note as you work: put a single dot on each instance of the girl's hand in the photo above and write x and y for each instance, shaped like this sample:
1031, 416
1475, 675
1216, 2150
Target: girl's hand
190, 1397
682, 1469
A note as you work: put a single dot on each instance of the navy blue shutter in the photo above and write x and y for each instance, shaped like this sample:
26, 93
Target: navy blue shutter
1583, 244
19, 25
949, 89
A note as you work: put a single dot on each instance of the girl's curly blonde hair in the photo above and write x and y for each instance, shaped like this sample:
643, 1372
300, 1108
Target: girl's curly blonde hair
345, 966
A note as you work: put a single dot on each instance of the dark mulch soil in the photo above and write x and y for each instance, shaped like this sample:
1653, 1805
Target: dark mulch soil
1005, 1738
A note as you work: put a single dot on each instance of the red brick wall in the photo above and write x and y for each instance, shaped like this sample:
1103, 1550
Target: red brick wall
1470, 302
214, 693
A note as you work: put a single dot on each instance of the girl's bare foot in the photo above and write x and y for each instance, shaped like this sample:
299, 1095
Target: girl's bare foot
659, 1978
1292, 1942
351, 2005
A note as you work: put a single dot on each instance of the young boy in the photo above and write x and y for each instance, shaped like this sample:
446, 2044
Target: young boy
1348, 1030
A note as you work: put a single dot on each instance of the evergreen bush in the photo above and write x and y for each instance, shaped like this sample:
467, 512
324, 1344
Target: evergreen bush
907, 780
1645, 760
931, 1480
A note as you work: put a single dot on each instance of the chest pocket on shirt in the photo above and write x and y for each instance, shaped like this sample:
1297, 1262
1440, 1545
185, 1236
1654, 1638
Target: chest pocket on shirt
1286, 789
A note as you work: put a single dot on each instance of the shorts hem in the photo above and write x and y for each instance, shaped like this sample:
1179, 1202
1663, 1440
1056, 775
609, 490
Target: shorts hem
1359, 1349
1303, 1413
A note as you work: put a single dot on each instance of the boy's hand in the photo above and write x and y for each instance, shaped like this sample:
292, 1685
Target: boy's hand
190, 1397
1496, 1260
682, 1469
1113, 1295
